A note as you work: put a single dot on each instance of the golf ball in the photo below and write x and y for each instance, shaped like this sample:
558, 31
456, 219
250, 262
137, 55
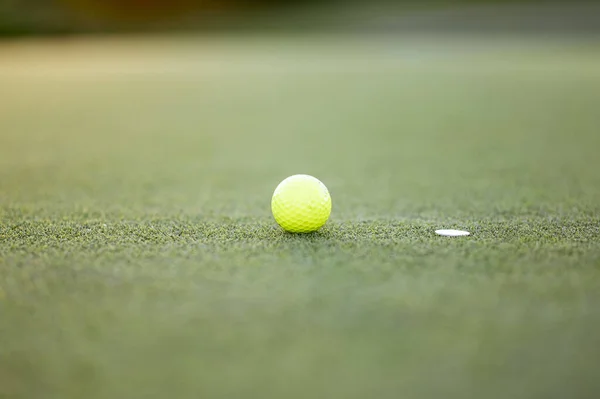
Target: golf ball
301, 204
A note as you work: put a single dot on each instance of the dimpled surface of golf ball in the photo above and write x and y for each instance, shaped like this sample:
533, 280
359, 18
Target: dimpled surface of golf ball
301, 204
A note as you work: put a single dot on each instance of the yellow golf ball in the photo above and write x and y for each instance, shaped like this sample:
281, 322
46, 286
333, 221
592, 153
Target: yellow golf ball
301, 204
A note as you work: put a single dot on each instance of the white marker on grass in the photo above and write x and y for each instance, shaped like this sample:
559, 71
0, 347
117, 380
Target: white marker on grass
452, 233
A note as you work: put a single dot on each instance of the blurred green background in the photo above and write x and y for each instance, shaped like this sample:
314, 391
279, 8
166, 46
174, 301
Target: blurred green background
29, 17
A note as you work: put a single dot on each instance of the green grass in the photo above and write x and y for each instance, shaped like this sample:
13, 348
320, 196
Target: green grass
138, 256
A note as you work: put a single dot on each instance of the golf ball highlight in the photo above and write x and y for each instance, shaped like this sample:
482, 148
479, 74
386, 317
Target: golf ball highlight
301, 204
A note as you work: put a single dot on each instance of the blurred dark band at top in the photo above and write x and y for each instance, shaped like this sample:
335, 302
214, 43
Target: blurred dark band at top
159, 9
144, 9
19, 17
35, 17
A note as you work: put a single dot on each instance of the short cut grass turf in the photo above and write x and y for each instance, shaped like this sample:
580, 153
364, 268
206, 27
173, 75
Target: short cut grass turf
139, 259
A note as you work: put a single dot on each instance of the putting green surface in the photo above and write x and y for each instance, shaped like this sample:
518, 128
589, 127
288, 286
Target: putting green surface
139, 258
